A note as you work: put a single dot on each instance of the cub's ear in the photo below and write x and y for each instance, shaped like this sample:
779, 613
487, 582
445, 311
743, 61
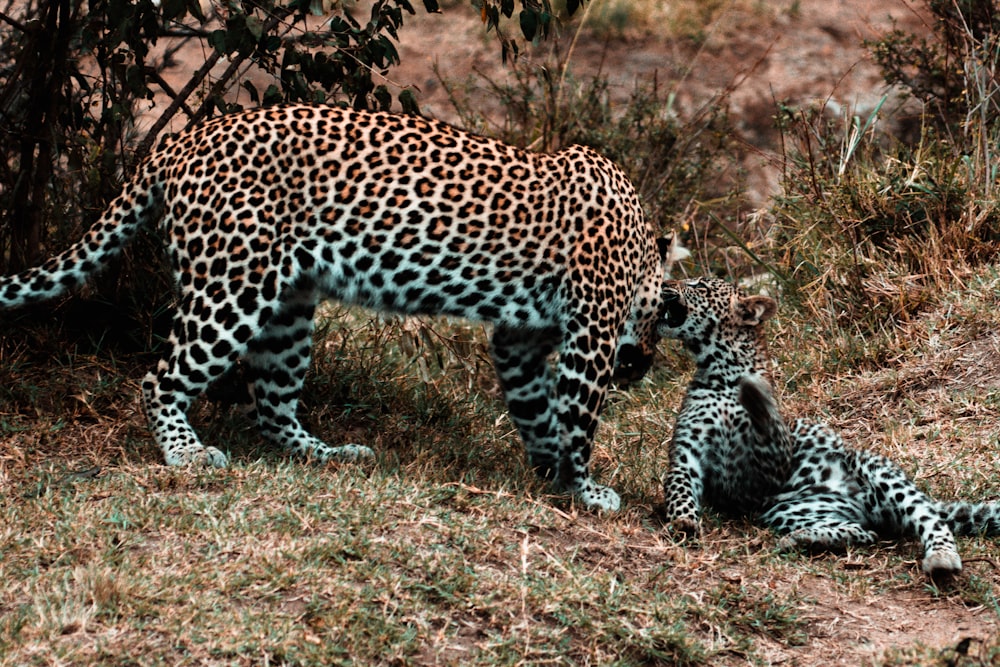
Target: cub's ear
671, 250
753, 310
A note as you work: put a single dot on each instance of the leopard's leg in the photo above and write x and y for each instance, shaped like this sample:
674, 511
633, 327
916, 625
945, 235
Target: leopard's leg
684, 483
556, 415
682, 488
522, 366
833, 536
895, 500
968, 518
815, 518
203, 344
586, 364
277, 361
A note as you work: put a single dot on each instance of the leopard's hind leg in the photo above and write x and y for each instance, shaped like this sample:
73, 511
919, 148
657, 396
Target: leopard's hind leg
277, 361
893, 500
204, 344
814, 519
967, 518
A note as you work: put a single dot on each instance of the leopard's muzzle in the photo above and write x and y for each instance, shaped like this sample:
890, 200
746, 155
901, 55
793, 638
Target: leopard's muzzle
673, 310
631, 364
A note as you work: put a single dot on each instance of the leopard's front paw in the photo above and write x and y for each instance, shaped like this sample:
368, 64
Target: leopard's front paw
197, 455
684, 526
597, 497
942, 563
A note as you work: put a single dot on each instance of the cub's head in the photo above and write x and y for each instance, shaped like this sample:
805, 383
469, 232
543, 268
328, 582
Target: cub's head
637, 344
708, 314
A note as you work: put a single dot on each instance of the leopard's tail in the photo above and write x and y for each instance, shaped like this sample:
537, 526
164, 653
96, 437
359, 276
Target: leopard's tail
966, 518
757, 398
139, 204
772, 452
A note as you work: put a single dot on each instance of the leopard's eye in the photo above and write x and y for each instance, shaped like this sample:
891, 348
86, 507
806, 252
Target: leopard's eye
698, 284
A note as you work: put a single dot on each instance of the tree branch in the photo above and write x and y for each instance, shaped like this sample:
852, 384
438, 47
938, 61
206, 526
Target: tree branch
175, 104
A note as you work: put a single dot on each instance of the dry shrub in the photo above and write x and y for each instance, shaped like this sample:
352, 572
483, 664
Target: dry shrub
873, 227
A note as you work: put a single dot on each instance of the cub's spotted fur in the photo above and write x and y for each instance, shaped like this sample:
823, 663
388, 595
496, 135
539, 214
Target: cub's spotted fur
267, 211
732, 449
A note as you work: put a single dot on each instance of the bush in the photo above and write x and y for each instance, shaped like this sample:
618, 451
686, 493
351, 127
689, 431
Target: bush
953, 72
869, 225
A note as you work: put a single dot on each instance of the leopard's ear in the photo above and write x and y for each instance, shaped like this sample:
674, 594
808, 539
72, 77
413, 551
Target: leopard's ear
754, 310
671, 250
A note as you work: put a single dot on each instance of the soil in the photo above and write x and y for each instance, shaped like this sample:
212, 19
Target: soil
801, 53
847, 630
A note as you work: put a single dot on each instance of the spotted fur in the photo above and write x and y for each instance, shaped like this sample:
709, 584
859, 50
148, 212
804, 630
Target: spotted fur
264, 212
733, 450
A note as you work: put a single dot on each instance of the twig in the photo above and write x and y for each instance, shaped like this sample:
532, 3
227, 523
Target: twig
175, 104
168, 89
982, 559
17, 25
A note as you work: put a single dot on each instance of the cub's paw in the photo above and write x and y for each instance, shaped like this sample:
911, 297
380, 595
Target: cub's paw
793, 541
942, 563
316, 450
684, 526
597, 497
216, 458
823, 538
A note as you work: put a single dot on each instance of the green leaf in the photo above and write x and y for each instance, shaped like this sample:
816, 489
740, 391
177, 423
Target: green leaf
409, 102
194, 8
272, 43
383, 97
508, 49
252, 90
255, 27
173, 9
529, 23
135, 79
272, 95
572, 6
218, 41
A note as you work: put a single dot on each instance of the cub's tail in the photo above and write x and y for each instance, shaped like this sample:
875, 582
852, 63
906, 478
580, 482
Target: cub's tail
971, 518
772, 451
138, 204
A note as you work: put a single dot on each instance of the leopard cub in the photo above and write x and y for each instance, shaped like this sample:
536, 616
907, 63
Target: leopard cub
732, 450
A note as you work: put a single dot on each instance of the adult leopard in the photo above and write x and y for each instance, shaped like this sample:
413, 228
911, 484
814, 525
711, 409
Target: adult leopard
732, 449
266, 211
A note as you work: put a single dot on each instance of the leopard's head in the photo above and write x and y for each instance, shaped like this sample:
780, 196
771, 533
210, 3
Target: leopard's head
637, 345
709, 314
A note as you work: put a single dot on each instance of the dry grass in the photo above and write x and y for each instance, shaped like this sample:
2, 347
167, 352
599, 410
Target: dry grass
445, 550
